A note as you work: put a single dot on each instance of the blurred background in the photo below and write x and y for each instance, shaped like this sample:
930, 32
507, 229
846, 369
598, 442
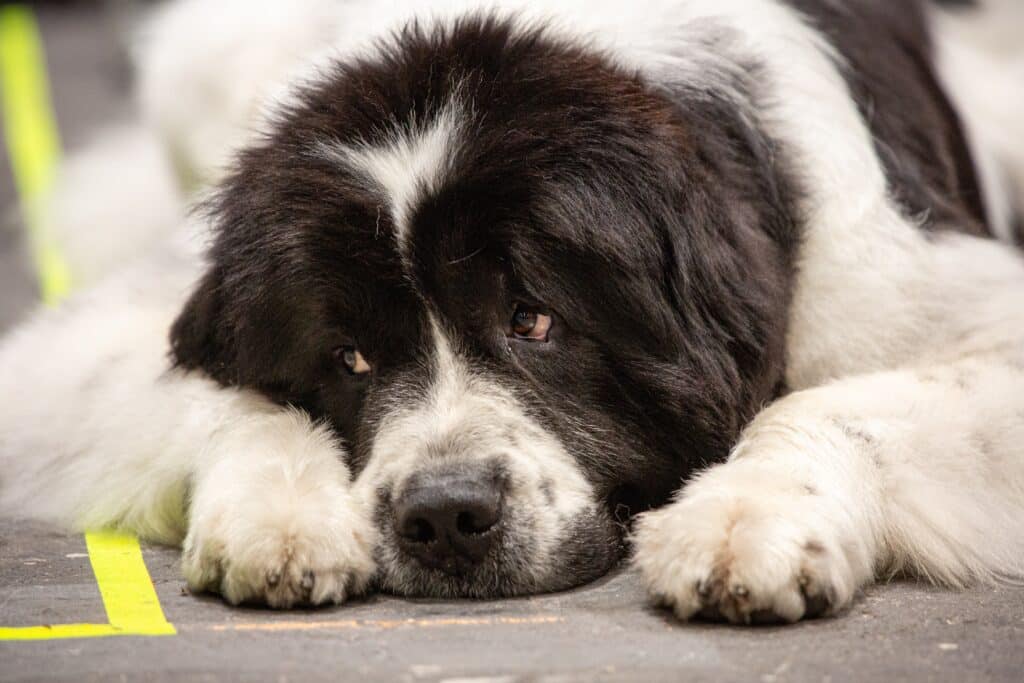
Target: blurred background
86, 55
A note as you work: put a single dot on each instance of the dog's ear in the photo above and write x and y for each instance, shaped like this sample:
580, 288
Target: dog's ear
728, 264
201, 337
247, 329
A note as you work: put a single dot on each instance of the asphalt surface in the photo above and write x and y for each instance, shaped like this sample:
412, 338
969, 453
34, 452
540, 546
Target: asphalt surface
605, 631
899, 632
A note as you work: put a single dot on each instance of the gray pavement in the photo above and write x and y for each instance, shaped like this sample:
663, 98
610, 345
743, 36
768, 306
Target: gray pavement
605, 631
899, 632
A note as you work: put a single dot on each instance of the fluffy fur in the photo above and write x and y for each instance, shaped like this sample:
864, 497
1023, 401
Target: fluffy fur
722, 205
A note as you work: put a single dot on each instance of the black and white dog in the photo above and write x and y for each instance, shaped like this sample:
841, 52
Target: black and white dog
496, 278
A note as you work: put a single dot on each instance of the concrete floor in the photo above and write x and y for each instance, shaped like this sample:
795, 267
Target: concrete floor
899, 632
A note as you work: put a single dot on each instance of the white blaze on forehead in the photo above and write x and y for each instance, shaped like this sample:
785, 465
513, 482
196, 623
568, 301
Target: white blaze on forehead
409, 165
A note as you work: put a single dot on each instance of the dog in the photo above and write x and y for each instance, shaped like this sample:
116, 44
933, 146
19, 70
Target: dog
496, 295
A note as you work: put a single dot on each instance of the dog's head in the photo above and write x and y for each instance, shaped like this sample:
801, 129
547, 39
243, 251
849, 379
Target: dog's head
529, 288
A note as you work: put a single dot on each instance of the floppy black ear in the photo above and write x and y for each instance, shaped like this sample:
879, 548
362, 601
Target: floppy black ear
201, 336
729, 263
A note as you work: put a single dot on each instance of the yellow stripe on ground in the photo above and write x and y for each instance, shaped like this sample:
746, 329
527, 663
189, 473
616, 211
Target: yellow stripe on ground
133, 608
127, 590
33, 144
58, 631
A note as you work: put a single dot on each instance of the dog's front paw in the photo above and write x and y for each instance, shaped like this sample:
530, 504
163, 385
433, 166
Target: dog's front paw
274, 521
281, 552
722, 553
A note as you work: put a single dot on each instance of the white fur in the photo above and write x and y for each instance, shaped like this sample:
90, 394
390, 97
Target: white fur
912, 465
466, 417
272, 517
916, 471
981, 62
98, 431
113, 199
921, 493
408, 167
210, 72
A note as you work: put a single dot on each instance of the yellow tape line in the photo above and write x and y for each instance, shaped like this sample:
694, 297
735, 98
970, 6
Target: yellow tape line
133, 608
127, 590
33, 145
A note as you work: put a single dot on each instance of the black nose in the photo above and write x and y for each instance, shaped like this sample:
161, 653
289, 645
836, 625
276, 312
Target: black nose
449, 518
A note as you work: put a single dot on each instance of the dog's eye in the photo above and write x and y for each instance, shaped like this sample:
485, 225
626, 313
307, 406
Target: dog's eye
531, 325
353, 361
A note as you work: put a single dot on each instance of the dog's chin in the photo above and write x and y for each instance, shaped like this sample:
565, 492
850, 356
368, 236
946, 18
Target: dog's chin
591, 547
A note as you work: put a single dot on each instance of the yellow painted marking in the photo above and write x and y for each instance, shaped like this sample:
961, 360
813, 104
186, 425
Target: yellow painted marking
347, 624
58, 631
33, 145
127, 590
129, 598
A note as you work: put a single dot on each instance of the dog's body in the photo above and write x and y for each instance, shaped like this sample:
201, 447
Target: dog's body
535, 271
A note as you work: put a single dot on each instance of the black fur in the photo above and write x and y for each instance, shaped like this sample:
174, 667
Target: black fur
650, 226
655, 224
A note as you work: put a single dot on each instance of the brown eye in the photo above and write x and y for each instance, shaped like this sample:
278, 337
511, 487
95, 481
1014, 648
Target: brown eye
529, 324
353, 361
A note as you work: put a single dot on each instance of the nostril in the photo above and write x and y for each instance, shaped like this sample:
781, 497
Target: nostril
419, 530
470, 523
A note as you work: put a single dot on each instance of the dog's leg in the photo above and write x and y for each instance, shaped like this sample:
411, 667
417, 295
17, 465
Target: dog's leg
918, 471
96, 430
272, 517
